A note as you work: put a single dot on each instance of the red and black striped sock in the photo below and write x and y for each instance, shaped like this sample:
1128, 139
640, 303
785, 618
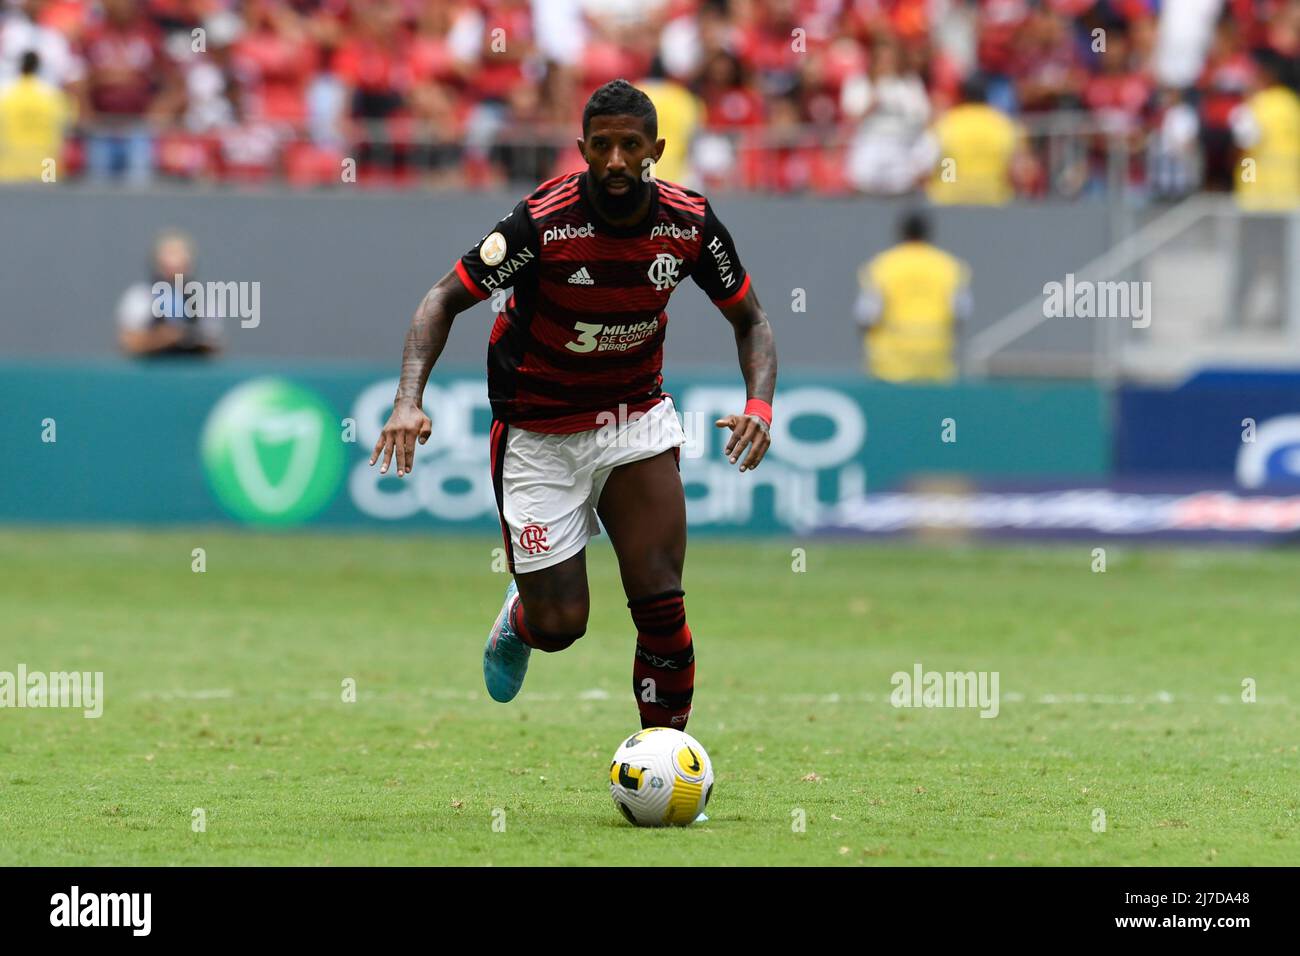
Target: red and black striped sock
535, 637
663, 674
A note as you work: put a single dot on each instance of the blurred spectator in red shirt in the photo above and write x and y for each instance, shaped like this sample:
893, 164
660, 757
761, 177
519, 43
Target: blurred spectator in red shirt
729, 155
730, 98
126, 68
435, 100
1119, 94
775, 44
494, 38
790, 156
525, 157
275, 58
432, 58
998, 23
493, 41
1254, 18
1045, 64
373, 64
373, 61
822, 76
199, 104
1119, 98
1223, 84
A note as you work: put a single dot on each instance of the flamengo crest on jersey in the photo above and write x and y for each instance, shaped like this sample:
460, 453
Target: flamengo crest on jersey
663, 271
582, 333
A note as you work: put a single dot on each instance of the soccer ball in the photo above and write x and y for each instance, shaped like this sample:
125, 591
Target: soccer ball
661, 777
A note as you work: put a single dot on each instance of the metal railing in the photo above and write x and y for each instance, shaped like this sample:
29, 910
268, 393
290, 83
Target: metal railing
1220, 284
1072, 155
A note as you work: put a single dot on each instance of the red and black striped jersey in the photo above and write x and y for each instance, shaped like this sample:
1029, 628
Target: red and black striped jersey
582, 332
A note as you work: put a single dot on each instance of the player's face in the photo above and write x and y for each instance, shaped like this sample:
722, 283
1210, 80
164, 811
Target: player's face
618, 151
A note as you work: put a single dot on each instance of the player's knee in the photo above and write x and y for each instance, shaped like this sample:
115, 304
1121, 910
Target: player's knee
659, 572
556, 626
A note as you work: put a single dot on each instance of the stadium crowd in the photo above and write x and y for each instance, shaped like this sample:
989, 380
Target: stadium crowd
828, 96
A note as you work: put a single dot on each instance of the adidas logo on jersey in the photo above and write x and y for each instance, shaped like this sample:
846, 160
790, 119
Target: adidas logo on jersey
581, 278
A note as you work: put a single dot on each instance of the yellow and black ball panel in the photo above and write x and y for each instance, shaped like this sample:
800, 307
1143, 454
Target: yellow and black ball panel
685, 804
690, 763
626, 775
640, 736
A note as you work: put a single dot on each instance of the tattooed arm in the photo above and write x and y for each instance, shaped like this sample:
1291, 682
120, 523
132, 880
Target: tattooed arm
424, 343
757, 351
727, 284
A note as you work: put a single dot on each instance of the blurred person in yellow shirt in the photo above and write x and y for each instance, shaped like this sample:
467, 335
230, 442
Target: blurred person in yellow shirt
680, 113
33, 117
910, 301
1267, 128
972, 151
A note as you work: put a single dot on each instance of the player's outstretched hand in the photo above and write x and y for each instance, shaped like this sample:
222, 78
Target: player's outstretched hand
746, 431
407, 425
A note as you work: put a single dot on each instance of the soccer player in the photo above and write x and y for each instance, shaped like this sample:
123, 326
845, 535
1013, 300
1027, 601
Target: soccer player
581, 425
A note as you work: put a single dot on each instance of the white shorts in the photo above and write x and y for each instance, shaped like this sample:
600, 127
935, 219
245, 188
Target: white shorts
548, 486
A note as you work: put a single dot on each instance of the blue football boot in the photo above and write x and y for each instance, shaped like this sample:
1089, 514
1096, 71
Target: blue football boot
505, 658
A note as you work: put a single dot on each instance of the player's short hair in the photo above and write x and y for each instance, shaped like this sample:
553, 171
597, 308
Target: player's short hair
30, 64
621, 98
914, 226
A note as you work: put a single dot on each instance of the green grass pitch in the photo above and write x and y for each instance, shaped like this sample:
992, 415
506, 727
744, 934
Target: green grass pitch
1121, 692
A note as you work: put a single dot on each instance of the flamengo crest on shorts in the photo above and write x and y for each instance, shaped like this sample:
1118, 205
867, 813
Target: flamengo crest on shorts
532, 539
548, 486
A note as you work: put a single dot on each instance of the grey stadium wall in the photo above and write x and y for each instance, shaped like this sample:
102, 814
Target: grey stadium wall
340, 273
